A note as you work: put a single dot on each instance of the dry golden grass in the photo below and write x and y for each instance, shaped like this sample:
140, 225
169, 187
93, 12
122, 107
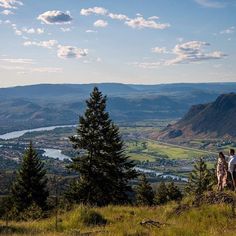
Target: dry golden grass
125, 221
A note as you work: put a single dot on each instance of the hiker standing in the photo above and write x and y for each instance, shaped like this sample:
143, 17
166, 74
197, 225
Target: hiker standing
222, 169
232, 166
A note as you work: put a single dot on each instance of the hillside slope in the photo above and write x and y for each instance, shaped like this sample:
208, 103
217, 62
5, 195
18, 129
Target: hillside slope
25, 114
216, 119
166, 220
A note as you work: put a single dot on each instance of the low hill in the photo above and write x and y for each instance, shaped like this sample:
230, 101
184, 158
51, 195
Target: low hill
216, 119
25, 114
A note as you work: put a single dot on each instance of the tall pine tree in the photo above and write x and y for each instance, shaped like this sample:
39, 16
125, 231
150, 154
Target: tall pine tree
200, 179
144, 192
104, 169
30, 186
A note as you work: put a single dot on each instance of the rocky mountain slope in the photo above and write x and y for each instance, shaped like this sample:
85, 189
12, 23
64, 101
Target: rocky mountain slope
216, 119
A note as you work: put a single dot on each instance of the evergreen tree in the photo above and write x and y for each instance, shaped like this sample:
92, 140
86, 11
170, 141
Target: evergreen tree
200, 179
162, 194
30, 186
174, 194
144, 192
104, 169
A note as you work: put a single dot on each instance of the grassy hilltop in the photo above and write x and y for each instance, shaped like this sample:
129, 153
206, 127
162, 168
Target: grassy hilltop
168, 220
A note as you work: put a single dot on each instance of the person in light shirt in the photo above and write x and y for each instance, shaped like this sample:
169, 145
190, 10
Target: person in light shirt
232, 166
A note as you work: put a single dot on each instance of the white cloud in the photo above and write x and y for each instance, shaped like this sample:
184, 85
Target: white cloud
91, 31
10, 4
17, 60
230, 30
32, 30
211, 3
47, 69
153, 18
118, 16
159, 50
28, 31
25, 70
140, 23
45, 44
147, 65
66, 52
39, 31
94, 10
7, 22
180, 39
12, 67
55, 17
63, 29
7, 12
18, 32
100, 23
186, 53
193, 51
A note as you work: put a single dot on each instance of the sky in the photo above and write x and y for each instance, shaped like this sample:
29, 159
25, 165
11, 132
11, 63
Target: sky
125, 41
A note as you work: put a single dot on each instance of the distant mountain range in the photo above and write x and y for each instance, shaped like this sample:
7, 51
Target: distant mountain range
72, 91
216, 119
40, 105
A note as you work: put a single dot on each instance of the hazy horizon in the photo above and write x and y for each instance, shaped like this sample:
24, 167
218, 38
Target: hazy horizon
131, 42
97, 83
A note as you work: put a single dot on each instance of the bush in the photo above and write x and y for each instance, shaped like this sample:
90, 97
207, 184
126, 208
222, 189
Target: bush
161, 195
144, 192
9, 212
91, 217
33, 212
5, 207
166, 193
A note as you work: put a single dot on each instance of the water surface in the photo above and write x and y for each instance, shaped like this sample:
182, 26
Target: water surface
17, 134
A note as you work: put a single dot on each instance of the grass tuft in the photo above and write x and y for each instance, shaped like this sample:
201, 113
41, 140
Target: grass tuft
206, 220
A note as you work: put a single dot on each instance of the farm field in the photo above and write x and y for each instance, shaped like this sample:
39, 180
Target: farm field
151, 150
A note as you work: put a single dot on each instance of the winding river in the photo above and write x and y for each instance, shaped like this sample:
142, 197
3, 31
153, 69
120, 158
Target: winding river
18, 134
57, 154
160, 174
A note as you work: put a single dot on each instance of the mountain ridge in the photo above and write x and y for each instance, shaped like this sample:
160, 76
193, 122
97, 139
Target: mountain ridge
111, 89
211, 120
34, 106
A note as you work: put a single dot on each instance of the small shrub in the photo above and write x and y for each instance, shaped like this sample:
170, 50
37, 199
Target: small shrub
33, 212
91, 217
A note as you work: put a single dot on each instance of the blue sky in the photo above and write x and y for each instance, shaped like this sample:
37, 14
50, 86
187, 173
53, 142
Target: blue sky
126, 41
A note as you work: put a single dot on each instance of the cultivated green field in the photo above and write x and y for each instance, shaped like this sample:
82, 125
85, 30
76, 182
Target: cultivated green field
151, 151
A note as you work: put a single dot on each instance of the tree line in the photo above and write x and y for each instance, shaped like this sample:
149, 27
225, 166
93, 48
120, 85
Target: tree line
104, 170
